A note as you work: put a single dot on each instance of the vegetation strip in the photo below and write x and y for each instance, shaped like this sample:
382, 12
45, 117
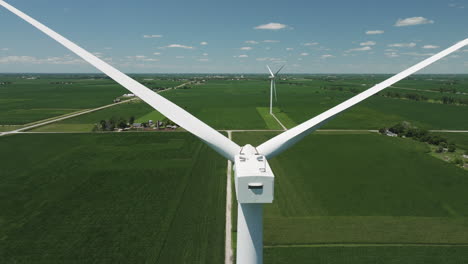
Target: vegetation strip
367, 245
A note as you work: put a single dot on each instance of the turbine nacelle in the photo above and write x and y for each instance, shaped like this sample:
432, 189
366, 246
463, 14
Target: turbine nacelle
254, 178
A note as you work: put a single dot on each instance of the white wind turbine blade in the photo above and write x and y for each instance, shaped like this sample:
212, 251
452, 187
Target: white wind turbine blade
272, 75
285, 140
213, 138
279, 70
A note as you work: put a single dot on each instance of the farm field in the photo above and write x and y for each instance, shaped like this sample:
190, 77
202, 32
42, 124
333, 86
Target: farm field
364, 198
242, 104
28, 100
111, 198
303, 100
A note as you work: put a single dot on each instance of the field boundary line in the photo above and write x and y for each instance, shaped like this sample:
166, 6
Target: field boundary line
228, 254
369, 245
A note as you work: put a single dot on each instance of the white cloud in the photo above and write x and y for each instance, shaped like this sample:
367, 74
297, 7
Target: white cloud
413, 21
368, 43
326, 56
67, 59
4, 49
203, 60
152, 36
392, 54
403, 45
289, 49
268, 59
150, 59
205, 54
203, 43
253, 42
311, 44
374, 32
242, 56
271, 41
178, 46
141, 58
271, 26
179, 57
157, 53
456, 6
430, 47
304, 54
108, 48
246, 48
360, 49
416, 54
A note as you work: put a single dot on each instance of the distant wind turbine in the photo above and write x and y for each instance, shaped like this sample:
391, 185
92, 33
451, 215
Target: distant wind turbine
254, 179
273, 86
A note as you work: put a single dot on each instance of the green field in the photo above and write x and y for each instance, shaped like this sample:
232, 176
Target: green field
25, 101
111, 198
340, 197
242, 104
365, 190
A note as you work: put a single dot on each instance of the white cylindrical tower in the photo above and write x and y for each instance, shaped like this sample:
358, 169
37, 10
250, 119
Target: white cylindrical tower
250, 233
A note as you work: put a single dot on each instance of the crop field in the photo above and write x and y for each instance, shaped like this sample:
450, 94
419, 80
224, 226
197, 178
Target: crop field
24, 101
243, 104
111, 198
364, 198
147, 197
303, 100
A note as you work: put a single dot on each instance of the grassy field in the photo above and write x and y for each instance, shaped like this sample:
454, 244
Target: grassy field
29, 100
111, 198
305, 99
242, 104
365, 190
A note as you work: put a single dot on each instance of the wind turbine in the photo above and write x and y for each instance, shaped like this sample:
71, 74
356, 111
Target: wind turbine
254, 179
273, 86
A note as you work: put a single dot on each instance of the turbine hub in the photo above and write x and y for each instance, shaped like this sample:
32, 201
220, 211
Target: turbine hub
253, 177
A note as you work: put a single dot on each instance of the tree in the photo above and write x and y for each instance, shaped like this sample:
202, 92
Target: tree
103, 125
122, 123
131, 120
440, 150
452, 148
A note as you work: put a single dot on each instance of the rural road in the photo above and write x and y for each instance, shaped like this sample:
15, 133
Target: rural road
53, 120
81, 112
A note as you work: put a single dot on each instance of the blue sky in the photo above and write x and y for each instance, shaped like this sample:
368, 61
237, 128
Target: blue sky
144, 36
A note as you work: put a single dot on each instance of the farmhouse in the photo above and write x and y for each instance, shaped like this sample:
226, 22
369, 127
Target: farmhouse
390, 134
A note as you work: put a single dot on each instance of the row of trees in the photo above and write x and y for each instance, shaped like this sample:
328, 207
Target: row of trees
112, 123
121, 123
405, 129
409, 96
419, 97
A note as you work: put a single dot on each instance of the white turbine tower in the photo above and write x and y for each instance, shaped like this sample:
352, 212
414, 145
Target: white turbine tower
254, 179
273, 86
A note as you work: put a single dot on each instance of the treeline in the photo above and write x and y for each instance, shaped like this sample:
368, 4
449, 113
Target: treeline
409, 96
405, 129
341, 89
112, 123
5, 83
418, 97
